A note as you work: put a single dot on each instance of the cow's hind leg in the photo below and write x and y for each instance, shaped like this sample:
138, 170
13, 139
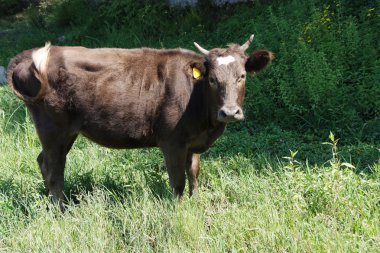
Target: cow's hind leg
52, 162
192, 170
57, 136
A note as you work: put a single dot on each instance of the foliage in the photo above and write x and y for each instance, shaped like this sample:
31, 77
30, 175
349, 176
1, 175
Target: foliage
335, 161
292, 162
8, 7
319, 198
325, 58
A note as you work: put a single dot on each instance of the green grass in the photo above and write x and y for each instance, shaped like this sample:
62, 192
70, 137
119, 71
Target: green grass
121, 200
251, 198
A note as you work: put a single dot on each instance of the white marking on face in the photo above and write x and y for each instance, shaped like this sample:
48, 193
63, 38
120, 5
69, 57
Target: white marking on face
225, 60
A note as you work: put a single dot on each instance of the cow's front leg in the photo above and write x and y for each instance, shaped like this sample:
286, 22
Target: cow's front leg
175, 159
192, 170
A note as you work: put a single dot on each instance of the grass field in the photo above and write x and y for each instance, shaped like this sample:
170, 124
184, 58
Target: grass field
121, 200
255, 194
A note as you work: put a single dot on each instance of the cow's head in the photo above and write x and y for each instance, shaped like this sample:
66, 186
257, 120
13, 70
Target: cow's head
226, 72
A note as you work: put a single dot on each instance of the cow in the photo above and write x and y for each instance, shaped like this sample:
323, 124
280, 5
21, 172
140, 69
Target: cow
174, 99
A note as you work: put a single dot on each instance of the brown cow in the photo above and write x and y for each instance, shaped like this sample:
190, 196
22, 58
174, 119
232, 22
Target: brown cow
173, 99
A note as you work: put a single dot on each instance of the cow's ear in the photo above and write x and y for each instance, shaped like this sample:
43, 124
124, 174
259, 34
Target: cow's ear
197, 69
258, 61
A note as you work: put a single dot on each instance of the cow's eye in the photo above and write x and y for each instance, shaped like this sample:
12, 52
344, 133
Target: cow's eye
212, 82
241, 78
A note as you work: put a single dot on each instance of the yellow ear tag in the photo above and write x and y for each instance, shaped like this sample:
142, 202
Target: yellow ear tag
196, 73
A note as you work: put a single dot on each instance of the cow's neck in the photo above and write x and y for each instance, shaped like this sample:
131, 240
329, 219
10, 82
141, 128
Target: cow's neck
206, 129
214, 126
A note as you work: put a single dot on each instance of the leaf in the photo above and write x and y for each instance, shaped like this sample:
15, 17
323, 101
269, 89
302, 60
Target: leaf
293, 153
331, 136
348, 165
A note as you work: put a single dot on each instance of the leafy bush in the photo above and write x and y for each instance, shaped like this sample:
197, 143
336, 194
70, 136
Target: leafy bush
326, 74
8, 7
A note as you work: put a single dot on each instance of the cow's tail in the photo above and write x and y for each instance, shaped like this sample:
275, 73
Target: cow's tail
27, 74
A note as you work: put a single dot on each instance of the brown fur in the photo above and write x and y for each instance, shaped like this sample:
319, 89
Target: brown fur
131, 98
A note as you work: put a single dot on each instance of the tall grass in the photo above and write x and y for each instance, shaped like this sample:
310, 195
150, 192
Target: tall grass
325, 77
121, 200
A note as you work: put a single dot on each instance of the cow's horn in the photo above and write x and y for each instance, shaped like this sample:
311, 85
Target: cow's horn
246, 45
201, 49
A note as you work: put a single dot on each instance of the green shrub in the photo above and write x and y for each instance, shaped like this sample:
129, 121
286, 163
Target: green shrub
326, 73
8, 7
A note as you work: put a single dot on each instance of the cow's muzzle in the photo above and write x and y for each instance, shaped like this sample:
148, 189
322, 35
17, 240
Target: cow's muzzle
230, 114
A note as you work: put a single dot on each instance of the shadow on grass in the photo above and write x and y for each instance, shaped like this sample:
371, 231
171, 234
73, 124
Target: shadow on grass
155, 181
20, 198
17, 197
274, 144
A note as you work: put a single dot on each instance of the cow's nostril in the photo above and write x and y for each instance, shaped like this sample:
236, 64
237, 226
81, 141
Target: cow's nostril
238, 111
222, 113
230, 114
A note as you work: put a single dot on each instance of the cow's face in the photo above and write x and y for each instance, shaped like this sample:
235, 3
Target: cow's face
227, 69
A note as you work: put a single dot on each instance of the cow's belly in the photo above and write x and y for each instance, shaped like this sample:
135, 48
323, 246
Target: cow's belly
112, 139
119, 134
